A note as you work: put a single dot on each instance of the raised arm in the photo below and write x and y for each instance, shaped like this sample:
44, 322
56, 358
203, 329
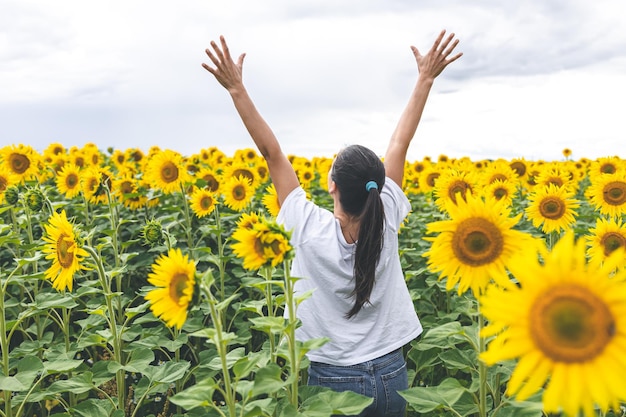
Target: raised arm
229, 75
429, 66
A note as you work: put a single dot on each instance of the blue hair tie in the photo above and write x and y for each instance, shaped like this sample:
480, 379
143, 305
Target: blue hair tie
371, 184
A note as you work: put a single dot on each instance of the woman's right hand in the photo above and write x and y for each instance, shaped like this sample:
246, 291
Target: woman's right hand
225, 70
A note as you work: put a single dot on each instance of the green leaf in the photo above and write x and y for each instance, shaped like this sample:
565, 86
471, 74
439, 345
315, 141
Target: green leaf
11, 383
268, 380
231, 357
335, 403
170, 372
62, 365
48, 300
459, 359
198, 395
93, 408
264, 407
243, 366
427, 399
270, 325
78, 384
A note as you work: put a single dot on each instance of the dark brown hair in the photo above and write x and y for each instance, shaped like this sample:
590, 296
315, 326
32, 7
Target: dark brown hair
353, 168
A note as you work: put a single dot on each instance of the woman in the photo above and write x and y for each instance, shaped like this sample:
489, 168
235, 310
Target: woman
349, 257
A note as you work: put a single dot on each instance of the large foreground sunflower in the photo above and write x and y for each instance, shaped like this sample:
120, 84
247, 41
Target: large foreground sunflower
475, 245
174, 276
64, 251
566, 323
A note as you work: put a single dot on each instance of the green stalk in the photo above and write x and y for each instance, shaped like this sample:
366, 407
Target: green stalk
188, 228
267, 274
482, 371
222, 351
294, 364
117, 340
220, 252
4, 346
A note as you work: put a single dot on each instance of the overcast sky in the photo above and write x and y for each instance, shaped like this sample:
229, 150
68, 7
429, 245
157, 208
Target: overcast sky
536, 76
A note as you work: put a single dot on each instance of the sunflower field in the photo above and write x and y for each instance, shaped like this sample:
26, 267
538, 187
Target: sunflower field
156, 284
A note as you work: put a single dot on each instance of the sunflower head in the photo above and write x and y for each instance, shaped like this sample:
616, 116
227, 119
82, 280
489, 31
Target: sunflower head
564, 324
265, 243
152, 233
64, 248
173, 276
35, 199
12, 195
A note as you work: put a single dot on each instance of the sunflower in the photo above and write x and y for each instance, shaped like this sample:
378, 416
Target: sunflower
608, 236
165, 171
20, 160
566, 324
520, 166
92, 182
555, 173
127, 189
241, 170
428, 178
265, 243
270, 200
552, 208
174, 276
68, 180
238, 193
500, 190
567, 152
475, 245
306, 175
7, 180
607, 165
202, 202
64, 251
211, 179
607, 192
497, 170
452, 186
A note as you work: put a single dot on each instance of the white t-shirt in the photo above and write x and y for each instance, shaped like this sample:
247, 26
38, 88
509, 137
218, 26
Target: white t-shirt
325, 262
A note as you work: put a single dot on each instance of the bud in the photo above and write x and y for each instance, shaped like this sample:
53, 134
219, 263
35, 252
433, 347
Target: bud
152, 233
34, 199
12, 195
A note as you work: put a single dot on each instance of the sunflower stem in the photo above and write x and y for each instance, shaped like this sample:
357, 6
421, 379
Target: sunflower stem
294, 363
117, 340
4, 347
188, 227
266, 272
221, 345
220, 251
482, 371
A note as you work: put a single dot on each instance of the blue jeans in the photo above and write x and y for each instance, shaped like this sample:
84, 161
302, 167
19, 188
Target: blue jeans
380, 379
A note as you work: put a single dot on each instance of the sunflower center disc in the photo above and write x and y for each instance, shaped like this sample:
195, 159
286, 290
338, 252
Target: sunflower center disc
615, 193
477, 242
552, 208
611, 241
19, 163
169, 172
64, 256
570, 324
239, 192
178, 285
458, 187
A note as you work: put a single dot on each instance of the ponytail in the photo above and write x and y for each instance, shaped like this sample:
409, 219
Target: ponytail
368, 249
360, 175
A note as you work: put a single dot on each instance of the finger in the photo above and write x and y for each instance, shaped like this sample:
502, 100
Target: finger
240, 60
218, 52
212, 57
208, 68
225, 48
445, 44
415, 51
438, 40
449, 50
454, 58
